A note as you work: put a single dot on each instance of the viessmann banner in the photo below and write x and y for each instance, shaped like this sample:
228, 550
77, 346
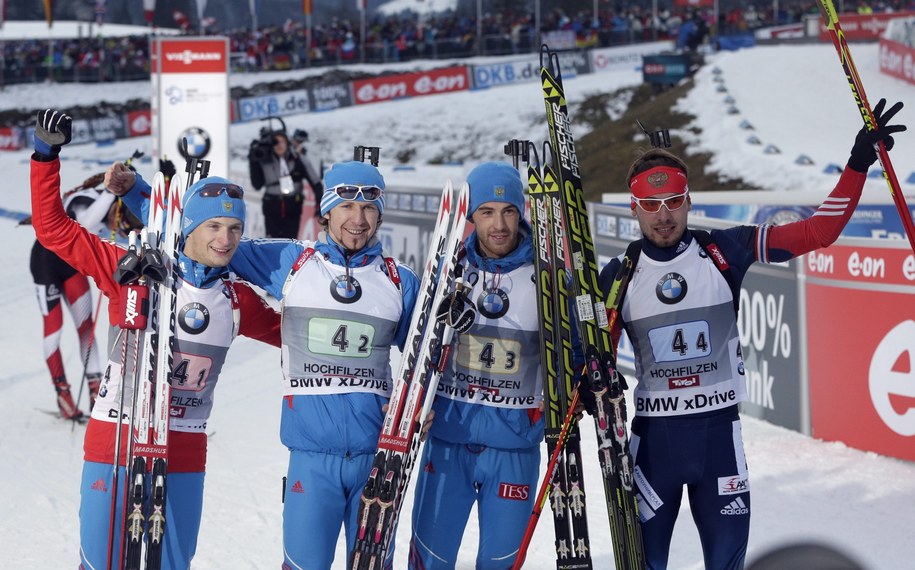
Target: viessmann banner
861, 339
191, 98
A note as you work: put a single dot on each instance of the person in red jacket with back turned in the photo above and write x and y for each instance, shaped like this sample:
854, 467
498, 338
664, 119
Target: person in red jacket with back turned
212, 308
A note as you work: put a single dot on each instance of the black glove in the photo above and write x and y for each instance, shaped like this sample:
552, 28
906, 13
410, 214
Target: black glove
585, 395
167, 168
863, 154
457, 311
53, 129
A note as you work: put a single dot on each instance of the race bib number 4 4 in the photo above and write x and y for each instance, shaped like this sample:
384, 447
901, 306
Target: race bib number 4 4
334, 337
680, 342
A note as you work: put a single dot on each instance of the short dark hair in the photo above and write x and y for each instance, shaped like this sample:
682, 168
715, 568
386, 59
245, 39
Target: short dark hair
655, 157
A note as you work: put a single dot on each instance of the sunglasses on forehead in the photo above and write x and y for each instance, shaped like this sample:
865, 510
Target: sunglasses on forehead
351, 191
215, 189
653, 205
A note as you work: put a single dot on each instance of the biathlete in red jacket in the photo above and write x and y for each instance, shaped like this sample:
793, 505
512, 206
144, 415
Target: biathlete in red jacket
212, 307
679, 313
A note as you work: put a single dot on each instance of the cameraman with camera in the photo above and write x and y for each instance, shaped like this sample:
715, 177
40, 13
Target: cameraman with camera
278, 167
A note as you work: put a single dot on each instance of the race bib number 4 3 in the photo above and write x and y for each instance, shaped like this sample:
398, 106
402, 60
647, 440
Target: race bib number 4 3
489, 355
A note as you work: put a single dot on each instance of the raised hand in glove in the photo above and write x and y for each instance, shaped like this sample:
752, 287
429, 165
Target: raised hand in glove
457, 311
53, 129
863, 154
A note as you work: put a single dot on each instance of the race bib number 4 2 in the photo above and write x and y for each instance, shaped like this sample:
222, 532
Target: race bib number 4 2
334, 337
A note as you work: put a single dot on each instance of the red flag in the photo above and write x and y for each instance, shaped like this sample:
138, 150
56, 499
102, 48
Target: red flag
149, 8
306, 7
49, 11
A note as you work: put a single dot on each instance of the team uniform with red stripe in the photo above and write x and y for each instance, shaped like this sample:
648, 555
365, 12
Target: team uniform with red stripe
679, 314
213, 308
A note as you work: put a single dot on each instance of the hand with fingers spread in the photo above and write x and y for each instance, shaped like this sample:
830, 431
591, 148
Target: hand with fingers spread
53, 129
864, 153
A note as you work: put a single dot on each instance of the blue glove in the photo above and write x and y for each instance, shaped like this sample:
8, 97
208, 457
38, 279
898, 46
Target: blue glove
53, 129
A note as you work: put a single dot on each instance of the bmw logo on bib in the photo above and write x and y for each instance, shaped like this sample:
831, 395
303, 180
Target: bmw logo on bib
493, 303
193, 318
198, 142
671, 288
346, 289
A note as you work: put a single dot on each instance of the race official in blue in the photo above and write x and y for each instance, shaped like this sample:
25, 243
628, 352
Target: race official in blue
484, 445
344, 305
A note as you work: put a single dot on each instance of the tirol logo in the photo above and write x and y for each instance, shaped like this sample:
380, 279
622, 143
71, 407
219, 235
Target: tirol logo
671, 288
194, 318
514, 492
346, 289
684, 382
198, 143
493, 303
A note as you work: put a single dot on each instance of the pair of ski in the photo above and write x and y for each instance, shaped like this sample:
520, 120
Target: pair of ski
570, 300
425, 355
148, 280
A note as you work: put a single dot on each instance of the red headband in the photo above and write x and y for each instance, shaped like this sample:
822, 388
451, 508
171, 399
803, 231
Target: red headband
658, 180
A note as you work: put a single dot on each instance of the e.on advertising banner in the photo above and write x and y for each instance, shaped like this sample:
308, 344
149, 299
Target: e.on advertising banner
430, 82
190, 79
897, 59
861, 339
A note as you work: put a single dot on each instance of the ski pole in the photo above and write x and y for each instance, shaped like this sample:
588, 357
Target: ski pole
547, 482
831, 17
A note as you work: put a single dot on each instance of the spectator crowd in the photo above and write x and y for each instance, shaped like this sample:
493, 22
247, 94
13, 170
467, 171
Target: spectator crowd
399, 38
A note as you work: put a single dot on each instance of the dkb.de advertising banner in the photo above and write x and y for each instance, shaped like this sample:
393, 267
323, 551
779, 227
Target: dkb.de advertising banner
571, 63
861, 338
768, 322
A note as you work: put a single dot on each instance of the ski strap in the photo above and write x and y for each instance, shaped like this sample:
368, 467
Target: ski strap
390, 268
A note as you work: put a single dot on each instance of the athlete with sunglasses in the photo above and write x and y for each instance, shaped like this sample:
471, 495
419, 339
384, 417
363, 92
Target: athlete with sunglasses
680, 313
213, 308
344, 305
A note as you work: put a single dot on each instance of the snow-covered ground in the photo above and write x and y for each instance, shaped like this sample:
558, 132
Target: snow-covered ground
796, 98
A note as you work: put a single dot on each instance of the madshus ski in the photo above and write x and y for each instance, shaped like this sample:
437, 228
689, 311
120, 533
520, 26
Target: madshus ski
147, 453
562, 483
424, 357
593, 327
152, 273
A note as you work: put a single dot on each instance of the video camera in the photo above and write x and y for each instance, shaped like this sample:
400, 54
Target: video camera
262, 148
